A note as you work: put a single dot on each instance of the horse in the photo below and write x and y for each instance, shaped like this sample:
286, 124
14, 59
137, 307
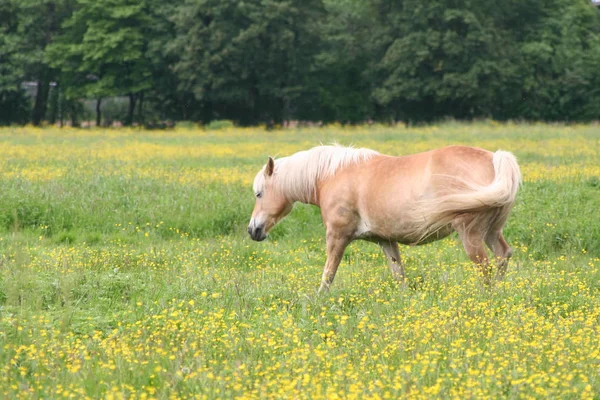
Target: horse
413, 200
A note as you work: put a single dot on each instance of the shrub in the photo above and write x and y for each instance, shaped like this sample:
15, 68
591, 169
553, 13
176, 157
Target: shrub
219, 124
186, 125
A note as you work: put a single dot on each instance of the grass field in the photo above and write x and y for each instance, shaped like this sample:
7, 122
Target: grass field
126, 272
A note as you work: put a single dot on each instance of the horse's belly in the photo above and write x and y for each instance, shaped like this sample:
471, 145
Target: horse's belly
415, 241
393, 230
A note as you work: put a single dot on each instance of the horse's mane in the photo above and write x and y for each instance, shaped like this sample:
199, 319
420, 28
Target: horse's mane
296, 176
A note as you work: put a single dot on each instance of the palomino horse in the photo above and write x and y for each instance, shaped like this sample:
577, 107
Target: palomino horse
412, 200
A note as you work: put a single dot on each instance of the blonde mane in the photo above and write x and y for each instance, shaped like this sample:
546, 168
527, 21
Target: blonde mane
296, 176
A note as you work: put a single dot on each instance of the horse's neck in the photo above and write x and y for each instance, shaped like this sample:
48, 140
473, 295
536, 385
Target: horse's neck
314, 197
304, 192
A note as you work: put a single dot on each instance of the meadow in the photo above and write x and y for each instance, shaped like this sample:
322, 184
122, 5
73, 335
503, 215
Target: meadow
126, 272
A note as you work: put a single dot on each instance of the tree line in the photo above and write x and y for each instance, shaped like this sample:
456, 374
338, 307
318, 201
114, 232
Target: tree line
268, 61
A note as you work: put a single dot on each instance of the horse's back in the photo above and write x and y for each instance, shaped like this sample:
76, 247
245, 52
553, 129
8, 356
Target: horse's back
390, 187
418, 174
452, 166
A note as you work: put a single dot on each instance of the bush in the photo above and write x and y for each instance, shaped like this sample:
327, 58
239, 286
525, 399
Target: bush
186, 125
219, 124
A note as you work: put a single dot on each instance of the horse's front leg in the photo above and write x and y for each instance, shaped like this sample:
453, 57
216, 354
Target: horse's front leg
336, 244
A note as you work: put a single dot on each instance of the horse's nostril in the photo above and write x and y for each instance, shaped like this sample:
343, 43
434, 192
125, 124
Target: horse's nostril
256, 233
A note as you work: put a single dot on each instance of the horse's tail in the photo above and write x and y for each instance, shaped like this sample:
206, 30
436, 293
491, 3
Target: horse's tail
498, 197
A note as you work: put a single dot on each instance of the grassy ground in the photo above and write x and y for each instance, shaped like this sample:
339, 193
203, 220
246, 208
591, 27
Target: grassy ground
126, 272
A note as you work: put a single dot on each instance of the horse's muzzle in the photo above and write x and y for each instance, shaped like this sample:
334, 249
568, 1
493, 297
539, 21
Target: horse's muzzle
257, 233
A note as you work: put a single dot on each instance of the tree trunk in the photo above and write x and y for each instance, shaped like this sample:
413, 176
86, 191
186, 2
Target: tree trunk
141, 109
98, 111
41, 98
45, 76
53, 100
129, 120
74, 116
61, 108
278, 111
183, 101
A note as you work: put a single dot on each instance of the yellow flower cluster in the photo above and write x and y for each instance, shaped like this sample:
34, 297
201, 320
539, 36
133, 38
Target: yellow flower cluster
254, 328
173, 156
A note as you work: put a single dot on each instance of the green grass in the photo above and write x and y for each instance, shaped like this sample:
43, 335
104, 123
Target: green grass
126, 271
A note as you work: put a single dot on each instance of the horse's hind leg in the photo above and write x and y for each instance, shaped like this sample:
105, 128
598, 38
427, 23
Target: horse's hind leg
473, 243
392, 254
501, 250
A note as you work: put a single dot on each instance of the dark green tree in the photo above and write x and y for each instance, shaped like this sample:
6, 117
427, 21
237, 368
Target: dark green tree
104, 51
267, 61
465, 59
340, 74
165, 101
38, 23
441, 59
247, 60
558, 59
13, 103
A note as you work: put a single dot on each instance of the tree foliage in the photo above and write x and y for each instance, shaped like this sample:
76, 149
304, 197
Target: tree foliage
268, 61
249, 59
13, 107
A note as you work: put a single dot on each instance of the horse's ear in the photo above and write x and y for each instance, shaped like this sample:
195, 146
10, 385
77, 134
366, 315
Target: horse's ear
270, 167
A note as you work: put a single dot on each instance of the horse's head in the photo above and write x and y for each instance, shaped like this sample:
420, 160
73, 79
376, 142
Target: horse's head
271, 205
